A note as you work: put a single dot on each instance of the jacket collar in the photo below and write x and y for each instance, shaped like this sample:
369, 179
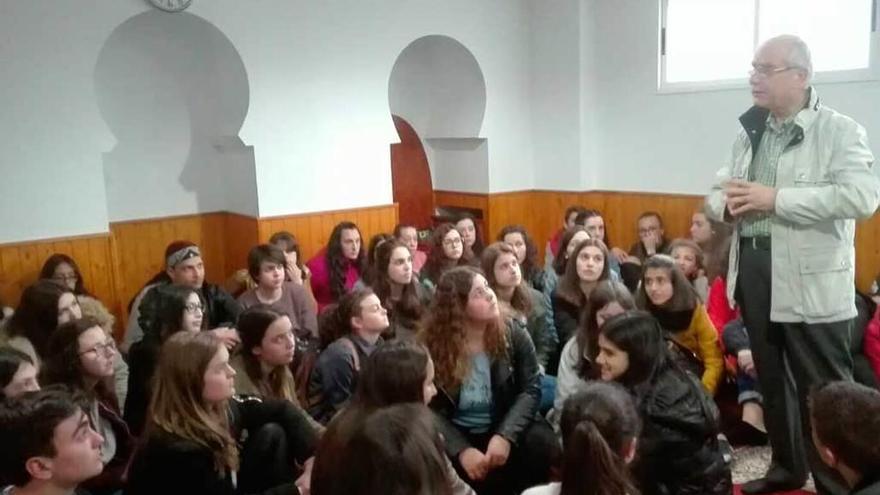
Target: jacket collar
754, 120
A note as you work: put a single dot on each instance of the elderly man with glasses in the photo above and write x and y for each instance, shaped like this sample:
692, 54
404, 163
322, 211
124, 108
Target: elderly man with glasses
797, 179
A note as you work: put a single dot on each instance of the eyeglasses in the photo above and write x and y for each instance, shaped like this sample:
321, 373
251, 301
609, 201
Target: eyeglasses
107, 348
768, 70
194, 308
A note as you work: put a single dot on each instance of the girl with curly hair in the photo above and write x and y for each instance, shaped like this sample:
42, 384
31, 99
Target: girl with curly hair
488, 387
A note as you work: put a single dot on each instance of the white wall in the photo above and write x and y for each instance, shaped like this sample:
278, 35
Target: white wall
675, 142
319, 74
171, 88
556, 94
51, 180
317, 110
459, 164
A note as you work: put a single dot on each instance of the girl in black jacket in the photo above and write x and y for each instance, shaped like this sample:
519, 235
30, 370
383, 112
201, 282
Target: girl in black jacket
488, 387
201, 440
678, 451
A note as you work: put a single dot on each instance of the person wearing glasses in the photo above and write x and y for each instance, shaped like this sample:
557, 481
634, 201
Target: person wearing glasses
80, 356
184, 267
652, 239
63, 269
447, 251
798, 177
181, 310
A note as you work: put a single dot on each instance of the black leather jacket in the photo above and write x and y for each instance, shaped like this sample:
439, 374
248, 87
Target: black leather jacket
516, 393
678, 451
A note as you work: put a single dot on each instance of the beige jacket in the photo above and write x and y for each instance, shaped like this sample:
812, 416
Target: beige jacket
824, 183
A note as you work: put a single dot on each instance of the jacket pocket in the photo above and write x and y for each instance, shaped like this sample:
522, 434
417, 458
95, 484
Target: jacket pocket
827, 280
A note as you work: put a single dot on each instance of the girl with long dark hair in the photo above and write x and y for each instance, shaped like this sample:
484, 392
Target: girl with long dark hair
394, 282
587, 266
339, 266
447, 252
600, 427
669, 297
678, 451
578, 361
526, 254
43, 306
181, 309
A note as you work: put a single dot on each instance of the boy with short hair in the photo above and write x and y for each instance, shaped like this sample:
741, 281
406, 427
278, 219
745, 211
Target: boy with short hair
49, 446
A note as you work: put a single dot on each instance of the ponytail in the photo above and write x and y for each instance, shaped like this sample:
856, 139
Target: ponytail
590, 467
598, 424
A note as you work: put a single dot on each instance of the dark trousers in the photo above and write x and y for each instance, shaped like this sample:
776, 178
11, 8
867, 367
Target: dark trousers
790, 358
529, 463
265, 462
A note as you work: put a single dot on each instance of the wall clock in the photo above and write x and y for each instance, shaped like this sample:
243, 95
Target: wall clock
171, 5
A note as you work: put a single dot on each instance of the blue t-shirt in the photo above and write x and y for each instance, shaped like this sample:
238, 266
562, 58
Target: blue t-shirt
475, 399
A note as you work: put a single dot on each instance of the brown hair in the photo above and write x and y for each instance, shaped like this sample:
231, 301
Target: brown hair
520, 300
560, 258
360, 446
684, 297
408, 306
443, 332
607, 292
846, 419
177, 406
264, 253
335, 321
37, 314
569, 287
437, 262
52, 262
252, 326
394, 373
530, 265
63, 363
688, 244
598, 423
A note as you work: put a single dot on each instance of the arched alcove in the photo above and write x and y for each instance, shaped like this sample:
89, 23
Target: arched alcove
174, 91
437, 88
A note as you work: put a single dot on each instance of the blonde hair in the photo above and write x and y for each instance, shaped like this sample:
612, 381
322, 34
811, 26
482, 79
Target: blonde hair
95, 309
177, 406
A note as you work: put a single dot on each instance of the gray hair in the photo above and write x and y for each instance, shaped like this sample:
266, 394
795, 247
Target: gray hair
798, 52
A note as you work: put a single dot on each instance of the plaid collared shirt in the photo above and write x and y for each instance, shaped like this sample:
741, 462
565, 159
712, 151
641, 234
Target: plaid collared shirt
763, 170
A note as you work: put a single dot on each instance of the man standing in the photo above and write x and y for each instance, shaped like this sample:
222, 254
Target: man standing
798, 177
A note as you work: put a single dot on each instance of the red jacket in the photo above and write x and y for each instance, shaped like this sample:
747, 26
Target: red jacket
718, 306
872, 342
321, 279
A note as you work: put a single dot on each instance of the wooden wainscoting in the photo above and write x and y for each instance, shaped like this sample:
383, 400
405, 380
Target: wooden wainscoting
313, 229
541, 213
139, 248
116, 265
241, 234
20, 264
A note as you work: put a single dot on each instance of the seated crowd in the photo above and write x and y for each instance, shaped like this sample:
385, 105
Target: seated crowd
452, 367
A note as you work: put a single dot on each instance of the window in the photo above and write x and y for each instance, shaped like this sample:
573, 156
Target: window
710, 43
